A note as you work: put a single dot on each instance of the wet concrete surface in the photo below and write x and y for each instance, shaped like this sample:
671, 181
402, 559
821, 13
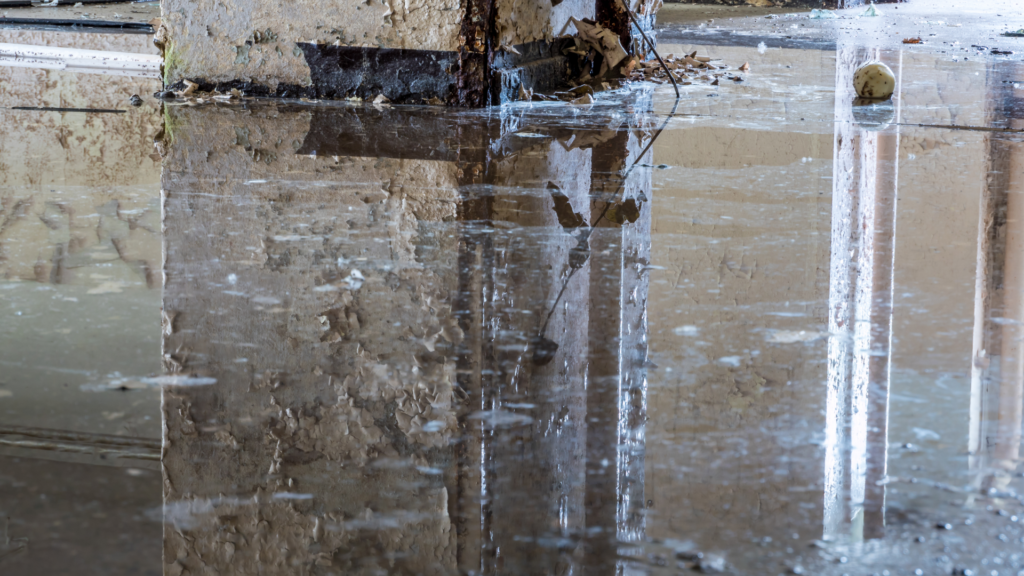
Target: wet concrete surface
757, 330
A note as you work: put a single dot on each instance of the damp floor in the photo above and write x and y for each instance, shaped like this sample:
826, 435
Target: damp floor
760, 329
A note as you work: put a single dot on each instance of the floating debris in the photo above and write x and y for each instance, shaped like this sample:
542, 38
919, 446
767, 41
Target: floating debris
686, 69
817, 14
1015, 33
872, 11
583, 100
913, 40
135, 100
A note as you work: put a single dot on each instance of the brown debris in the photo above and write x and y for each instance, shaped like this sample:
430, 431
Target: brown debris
603, 41
686, 69
190, 88
913, 40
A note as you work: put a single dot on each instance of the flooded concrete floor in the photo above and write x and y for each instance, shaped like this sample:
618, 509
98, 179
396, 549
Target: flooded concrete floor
757, 330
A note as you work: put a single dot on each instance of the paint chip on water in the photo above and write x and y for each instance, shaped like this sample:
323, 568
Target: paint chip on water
500, 418
292, 496
434, 426
355, 280
687, 330
794, 336
926, 434
179, 381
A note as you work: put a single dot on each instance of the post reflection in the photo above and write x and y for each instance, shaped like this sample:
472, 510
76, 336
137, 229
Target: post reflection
861, 283
403, 341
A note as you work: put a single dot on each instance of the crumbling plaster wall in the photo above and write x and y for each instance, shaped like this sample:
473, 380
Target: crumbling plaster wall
522, 21
226, 40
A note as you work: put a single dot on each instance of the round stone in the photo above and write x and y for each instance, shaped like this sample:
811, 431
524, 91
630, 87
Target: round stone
875, 81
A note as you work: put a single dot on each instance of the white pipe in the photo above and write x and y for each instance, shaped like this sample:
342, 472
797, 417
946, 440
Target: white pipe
78, 60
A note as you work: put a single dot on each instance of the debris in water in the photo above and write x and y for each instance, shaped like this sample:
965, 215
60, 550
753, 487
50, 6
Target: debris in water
875, 81
817, 14
762, 48
190, 88
381, 99
1015, 33
543, 350
913, 40
179, 380
871, 11
583, 100
135, 100
355, 280
794, 336
711, 564
500, 418
524, 94
687, 67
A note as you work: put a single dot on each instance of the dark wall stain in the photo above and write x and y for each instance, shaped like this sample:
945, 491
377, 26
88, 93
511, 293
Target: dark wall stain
403, 76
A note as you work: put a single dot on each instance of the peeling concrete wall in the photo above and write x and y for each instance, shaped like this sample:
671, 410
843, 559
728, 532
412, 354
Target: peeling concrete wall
522, 21
227, 40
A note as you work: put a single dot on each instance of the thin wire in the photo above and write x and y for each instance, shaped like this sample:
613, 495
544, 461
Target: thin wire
651, 44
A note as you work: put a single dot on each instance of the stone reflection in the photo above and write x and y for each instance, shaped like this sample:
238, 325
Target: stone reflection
403, 341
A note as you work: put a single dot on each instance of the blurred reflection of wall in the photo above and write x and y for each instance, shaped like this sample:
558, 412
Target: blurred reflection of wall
76, 184
79, 242
371, 310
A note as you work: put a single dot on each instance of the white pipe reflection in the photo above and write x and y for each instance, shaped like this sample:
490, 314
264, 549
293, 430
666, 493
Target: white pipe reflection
861, 291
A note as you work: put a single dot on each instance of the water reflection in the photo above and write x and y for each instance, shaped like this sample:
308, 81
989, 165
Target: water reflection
529, 341
428, 358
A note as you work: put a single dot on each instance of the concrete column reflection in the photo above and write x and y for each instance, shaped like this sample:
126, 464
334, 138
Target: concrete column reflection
997, 372
419, 355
